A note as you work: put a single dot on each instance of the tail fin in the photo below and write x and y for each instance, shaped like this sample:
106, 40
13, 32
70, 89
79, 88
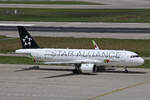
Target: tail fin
95, 45
26, 40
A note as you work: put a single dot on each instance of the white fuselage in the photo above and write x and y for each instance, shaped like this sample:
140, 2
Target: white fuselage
75, 56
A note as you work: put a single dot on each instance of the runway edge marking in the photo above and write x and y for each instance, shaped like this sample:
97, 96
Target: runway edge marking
118, 90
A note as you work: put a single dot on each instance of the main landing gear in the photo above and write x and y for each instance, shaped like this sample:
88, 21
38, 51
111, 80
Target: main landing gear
35, 67
77, 69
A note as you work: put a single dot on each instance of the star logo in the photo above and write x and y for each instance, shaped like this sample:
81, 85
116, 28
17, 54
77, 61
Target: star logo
27, 41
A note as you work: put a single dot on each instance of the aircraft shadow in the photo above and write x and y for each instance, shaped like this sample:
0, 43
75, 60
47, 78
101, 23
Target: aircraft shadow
54, 69
98, 71
72, 74
117, 71
62, 75
46, 69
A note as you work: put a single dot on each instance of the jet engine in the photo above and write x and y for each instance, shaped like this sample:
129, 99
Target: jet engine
88, 68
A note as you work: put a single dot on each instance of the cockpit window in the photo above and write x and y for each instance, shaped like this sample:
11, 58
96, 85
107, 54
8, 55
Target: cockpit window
134, 56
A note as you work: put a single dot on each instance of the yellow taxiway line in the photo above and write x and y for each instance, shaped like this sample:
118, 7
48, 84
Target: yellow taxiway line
118, 90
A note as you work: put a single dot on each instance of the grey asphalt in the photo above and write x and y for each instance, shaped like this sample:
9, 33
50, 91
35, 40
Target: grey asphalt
79, 29
59, 26
22, 82
109, 4
76, 24
81, 35
106, 6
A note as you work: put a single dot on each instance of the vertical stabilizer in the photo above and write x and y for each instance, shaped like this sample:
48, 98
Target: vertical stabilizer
95, 45
26, 39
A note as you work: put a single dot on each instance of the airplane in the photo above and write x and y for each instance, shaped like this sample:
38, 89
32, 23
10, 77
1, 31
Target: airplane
84, 60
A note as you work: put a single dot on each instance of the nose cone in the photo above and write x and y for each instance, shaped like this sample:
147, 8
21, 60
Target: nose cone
141, 61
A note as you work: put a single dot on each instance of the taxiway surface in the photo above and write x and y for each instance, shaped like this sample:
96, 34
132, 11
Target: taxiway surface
21, 82
81, 35
108, 4
78, 29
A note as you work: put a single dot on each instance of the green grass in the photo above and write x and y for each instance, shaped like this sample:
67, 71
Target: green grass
25, 60
142, 47
76, 15
15, 60
50, 2
3, 37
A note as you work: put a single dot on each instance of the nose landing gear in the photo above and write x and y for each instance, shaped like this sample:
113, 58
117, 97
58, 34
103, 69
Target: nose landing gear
125, 69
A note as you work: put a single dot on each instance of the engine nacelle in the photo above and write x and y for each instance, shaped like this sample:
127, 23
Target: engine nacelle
88, 68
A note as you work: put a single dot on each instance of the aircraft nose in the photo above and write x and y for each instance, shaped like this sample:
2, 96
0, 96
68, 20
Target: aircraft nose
141, 61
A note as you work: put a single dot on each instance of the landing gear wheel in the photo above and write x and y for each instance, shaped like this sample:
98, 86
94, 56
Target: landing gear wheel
76, 71
36, 67
126, 71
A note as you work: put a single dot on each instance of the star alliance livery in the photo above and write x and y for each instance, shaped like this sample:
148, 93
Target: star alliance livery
84, 60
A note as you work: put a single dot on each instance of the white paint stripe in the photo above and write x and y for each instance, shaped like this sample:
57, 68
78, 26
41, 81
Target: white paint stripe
16, 24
